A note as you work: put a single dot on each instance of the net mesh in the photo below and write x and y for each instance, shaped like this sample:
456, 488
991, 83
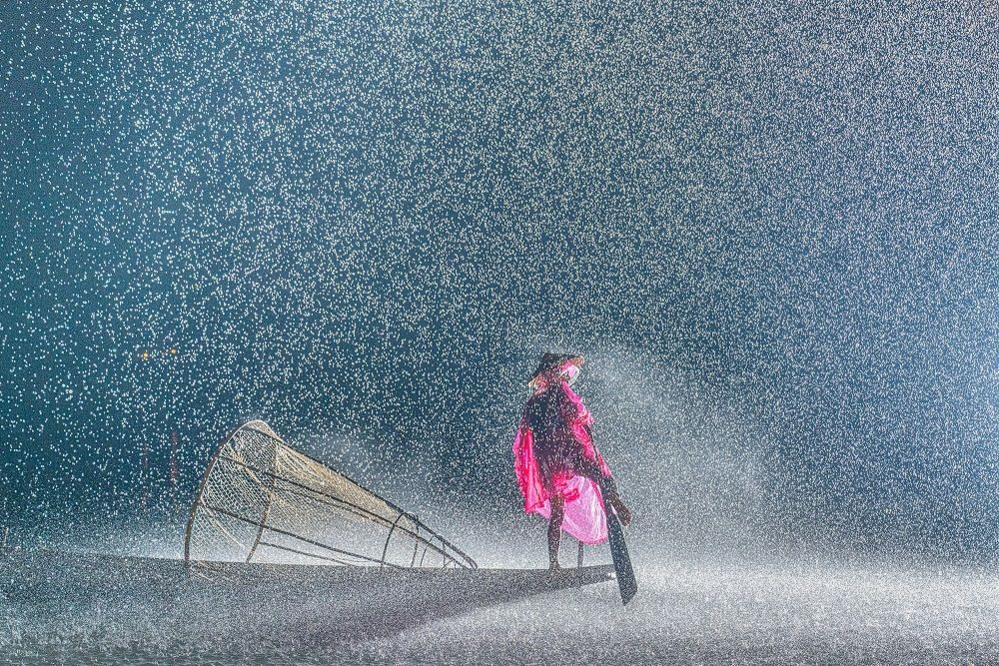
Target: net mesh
263, 501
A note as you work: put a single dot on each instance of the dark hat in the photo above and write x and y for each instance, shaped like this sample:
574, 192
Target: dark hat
550, 361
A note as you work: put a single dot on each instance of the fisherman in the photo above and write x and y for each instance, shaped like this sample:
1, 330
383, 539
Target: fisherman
561, 473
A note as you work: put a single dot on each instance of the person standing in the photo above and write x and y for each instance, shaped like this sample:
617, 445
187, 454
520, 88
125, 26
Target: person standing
561, 474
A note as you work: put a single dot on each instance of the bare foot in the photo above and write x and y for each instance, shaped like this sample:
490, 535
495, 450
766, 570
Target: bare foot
557, 574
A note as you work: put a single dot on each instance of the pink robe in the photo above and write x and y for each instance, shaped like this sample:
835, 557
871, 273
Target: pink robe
552, 469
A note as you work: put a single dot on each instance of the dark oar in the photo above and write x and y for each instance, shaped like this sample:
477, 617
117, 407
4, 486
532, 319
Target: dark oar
619, 552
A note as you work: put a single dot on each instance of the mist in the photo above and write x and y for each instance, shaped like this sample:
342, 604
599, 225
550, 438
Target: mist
770, 229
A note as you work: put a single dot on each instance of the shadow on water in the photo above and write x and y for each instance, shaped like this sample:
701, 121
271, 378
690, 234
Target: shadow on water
73, 604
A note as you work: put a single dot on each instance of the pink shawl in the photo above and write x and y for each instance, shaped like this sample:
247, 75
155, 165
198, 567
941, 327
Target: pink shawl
584, 512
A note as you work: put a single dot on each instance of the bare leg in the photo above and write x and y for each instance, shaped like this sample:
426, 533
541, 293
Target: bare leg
555, 531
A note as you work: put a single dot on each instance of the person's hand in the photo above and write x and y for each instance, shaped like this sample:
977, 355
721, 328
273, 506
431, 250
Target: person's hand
623, 512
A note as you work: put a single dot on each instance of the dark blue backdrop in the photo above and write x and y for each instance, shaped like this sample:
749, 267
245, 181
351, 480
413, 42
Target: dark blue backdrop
361, 221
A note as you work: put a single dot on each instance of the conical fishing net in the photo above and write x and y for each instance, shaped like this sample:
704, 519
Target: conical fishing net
263, 501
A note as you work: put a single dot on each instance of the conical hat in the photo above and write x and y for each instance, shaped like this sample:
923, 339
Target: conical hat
550, 361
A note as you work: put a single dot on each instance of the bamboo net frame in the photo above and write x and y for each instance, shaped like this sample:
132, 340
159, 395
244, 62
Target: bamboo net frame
262, 501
